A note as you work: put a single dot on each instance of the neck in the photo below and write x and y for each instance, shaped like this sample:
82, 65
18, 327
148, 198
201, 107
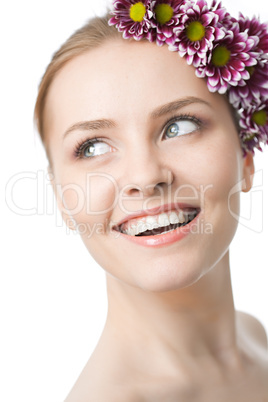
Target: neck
193, 322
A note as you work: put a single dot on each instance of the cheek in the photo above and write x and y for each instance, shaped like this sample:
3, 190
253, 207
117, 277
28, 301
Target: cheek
218, 168
222, 199
217, 173
89, 197
101, 193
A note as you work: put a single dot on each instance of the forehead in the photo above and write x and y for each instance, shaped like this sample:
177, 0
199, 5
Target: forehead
121, 78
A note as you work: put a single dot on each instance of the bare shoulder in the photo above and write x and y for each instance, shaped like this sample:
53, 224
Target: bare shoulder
97, 384
253, 328
101, 393
253, 346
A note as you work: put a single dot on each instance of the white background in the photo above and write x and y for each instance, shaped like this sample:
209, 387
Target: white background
52, 294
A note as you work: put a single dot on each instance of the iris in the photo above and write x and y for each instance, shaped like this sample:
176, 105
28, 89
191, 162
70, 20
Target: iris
173, 130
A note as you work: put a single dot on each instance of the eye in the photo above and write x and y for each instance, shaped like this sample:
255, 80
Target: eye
91, 148
95, 149
181, 127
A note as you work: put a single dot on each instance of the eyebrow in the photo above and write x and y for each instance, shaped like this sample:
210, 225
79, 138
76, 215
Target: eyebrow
90, 125
176, 105
170, 107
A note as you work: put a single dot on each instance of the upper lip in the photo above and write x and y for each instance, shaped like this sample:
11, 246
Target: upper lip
154, 211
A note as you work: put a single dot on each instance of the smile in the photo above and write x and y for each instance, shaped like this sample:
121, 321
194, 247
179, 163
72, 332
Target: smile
159, 229
158, 224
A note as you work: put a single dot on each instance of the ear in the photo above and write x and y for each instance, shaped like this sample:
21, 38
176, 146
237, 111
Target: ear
68, 219
248, 172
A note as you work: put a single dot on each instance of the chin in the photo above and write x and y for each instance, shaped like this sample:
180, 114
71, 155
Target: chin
166, 276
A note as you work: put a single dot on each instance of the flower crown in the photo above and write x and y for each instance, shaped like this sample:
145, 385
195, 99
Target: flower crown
231, 54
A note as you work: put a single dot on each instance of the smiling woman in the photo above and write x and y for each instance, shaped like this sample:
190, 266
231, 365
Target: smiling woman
144, 157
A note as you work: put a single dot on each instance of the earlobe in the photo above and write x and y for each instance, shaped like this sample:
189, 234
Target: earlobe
68, 219
248, 172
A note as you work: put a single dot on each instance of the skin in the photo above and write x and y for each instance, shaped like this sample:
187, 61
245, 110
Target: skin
172, 332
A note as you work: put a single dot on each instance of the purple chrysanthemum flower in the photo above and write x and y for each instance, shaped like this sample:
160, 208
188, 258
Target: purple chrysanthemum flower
255, 119
250, 142
253, 90
199, 30
257, 29
228, 60
165, 16
225, 18
254, 126
131, 17
250, 92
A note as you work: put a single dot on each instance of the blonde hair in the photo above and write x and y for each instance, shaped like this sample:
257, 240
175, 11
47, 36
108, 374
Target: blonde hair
94, 33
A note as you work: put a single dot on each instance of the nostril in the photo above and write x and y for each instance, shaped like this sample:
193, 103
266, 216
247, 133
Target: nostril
147, 176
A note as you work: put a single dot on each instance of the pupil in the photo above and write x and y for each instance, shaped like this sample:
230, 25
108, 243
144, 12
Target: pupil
173, 130
89, 151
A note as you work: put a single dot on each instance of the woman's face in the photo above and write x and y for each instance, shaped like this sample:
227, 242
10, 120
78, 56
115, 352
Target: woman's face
131, 128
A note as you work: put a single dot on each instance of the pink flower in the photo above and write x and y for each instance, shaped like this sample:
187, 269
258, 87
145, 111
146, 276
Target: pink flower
228, 60
258, 30
254, 126
250, 142
252, 90
199, 30
165, 16
131, 17
226, 20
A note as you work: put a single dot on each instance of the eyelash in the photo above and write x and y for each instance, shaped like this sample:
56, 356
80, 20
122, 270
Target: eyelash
82, 145
186, 116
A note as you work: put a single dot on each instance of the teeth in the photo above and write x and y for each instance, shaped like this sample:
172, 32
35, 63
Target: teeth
163, 220
134, 227
174, 218
182, 217
142, 227
132, 231
152, 222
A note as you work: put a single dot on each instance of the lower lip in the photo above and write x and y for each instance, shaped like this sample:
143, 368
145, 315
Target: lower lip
163, 239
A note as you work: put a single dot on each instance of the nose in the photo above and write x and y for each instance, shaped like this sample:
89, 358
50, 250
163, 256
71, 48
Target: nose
146, 171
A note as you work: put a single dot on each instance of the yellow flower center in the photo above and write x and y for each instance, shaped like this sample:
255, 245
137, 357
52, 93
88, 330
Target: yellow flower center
163, 13
249, 137
137, 12
195, 31
251, 70
260, 117
220, 56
